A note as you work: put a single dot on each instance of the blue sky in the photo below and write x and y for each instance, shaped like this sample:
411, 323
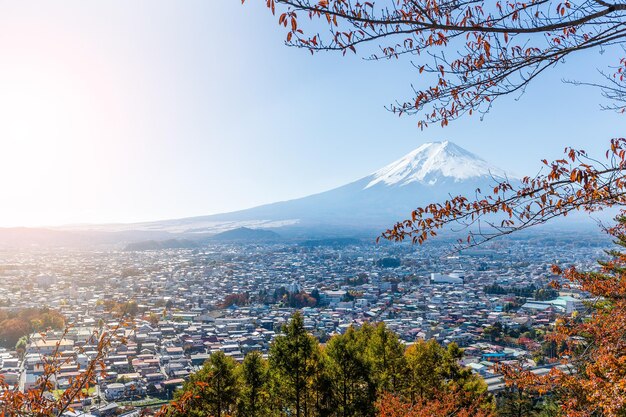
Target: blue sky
127, 111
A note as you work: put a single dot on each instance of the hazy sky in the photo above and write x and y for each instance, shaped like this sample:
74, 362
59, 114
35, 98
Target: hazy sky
118, 111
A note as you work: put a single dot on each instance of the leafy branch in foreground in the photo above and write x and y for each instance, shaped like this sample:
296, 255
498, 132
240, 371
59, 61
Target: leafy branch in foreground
468, 52
38, 401
593, 380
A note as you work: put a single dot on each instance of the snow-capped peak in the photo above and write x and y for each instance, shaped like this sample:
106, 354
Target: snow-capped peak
433, 162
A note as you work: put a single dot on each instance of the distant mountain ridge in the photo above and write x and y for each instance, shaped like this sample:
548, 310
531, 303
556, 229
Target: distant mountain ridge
247, 234
161, 244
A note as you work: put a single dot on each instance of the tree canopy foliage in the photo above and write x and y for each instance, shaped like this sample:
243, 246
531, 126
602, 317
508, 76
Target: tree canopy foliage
359, 373
213, 390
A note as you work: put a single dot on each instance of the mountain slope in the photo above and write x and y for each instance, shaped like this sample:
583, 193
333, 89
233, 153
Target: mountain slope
432, 172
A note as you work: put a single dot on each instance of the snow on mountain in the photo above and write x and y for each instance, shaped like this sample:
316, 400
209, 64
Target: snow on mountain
428, 163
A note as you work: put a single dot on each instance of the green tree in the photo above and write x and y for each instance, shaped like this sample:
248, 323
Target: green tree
52, 319
516, 402
349, 368
254, 374
386, 354
292, 360
493, 332
433, 369
548, 408
425, 376
20, 346
214, 388
462, 379
321, 386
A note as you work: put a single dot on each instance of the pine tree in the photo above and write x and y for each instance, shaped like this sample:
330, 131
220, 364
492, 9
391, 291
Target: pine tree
322, 399
386, 353
350, 372
214, 388
425, 374
433, 369
291, 360
254, 374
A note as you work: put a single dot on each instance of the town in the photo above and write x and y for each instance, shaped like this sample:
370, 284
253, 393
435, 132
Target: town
495, 302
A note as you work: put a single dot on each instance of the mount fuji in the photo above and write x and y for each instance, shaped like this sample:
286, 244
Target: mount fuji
432, 172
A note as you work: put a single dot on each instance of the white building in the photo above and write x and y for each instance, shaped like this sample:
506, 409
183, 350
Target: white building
437, 278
